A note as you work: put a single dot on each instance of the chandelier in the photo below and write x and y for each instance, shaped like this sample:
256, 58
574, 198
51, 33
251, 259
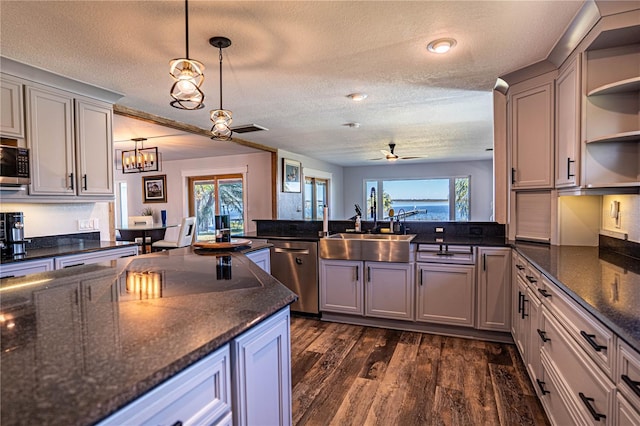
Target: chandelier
141, 159
188, 76
221, 118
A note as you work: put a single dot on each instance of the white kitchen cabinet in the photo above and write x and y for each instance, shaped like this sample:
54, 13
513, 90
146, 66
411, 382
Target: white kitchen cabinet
20, 269
95, 257
71, 153
494, 289
94, 147
261, 360
446, 294
531, 114
341, 286
557, 404
262, 258
627, 377
389, 290
49, 116
201, 394
568, 124
11, 107
625, 414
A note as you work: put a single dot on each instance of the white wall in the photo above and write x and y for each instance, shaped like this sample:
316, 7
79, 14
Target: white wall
481, 182
290, 204
256, 167
42, 220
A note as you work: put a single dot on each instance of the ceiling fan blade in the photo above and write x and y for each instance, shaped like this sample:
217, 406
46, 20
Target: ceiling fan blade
410, 158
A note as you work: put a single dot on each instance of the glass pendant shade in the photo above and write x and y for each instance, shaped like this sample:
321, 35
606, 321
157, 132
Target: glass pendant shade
188, 77
221, 129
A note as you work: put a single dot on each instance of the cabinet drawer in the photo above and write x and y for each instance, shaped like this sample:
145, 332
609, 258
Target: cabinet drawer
198, 395
625, 414
20, 269
594, 338
96, 257
591, 391
553, 396
628, 376
520, 265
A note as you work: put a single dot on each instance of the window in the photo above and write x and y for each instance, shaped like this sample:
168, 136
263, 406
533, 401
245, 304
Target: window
216, 195
440, 199
315, 197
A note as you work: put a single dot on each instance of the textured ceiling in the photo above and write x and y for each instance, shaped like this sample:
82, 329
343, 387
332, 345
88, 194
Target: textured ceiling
292, 63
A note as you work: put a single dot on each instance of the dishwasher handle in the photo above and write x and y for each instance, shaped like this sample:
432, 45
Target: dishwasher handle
290, 250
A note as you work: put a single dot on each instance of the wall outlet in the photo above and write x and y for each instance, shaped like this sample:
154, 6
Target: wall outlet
95, 223
84, 224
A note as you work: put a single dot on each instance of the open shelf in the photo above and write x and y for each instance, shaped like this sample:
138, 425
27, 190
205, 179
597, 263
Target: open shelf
633, 136
623, 86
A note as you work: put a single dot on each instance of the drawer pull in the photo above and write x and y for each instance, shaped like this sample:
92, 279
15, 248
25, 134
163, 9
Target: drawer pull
544, 292
543, 335
520, 267
590, 338
357, 273
587, 401
541, 386
519, 301
75, 264
524, 315
531, 279
635, 386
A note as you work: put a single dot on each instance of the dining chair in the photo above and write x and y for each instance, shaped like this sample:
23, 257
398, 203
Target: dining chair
185, 236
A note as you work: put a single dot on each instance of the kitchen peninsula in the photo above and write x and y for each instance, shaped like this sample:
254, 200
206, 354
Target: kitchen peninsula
88, 341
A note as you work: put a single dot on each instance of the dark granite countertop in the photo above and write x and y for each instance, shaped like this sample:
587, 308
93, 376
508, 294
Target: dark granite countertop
605, 283
88, 340
67, 247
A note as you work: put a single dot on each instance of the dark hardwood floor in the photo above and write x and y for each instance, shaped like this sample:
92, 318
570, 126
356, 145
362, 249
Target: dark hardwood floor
353, 375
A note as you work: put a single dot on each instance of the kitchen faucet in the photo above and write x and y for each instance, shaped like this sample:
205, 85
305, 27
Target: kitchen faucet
401, 214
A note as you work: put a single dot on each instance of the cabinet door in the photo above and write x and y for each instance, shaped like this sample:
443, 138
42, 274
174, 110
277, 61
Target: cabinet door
494, 289
568, 125
446, 294
532, 137
94, 138
262, 258
11, 108
519, 329
261, 359
389, 290
535, 335
50, 138
341, 286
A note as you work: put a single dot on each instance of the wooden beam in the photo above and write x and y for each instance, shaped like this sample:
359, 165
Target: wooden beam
166, 122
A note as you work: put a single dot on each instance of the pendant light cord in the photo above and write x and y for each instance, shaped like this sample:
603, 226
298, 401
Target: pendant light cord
186, 25
220, 77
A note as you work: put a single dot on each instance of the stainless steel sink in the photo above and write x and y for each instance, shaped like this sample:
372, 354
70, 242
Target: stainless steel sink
374, 247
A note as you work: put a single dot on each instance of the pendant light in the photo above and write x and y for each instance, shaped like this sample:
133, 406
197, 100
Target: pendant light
221, 118
188, 76
141, 159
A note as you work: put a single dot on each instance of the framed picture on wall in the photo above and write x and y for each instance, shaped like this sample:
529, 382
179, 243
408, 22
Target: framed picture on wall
290, 175
154, 189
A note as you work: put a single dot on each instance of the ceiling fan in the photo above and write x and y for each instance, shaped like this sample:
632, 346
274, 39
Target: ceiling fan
392, 156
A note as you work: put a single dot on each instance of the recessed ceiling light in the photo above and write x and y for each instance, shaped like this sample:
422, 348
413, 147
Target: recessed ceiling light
357, 97
441, 45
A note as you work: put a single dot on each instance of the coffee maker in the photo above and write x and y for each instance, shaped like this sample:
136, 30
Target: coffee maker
12, 240
223, 229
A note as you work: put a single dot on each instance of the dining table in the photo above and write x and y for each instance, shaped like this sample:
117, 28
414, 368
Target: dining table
154, 232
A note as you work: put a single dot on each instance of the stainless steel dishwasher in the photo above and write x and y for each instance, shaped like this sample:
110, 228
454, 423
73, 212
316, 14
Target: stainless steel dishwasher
295, 264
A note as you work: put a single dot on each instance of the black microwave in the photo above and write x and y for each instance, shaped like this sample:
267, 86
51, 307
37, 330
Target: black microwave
14, 165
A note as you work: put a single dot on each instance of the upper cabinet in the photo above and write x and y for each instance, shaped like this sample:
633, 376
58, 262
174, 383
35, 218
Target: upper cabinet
568, 124
11, 109
611, 118
531, 113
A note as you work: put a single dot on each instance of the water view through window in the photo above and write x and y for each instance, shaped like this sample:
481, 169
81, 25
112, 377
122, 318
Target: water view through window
441, 199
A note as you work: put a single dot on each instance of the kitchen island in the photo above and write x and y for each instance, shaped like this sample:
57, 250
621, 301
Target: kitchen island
82, 343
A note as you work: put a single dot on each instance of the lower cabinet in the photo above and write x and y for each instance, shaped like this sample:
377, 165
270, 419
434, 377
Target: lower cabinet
374, 289
247, 381
262, 258
262, 373
94, 257
446, 294
201, 394
20, 269
494, 288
